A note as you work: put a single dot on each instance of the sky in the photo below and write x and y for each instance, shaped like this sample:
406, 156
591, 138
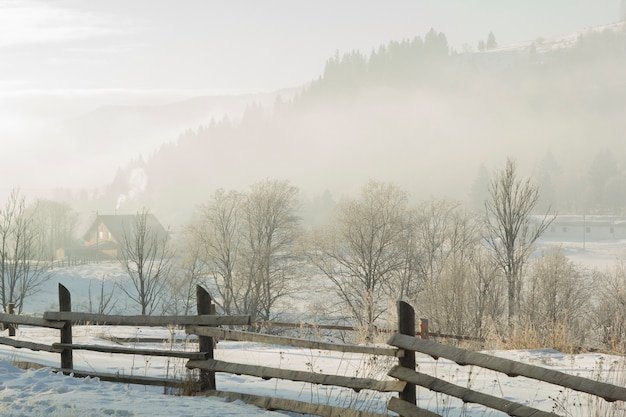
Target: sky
63, 58
241, 46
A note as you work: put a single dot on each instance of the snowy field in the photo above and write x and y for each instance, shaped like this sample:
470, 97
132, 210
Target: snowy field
44, 393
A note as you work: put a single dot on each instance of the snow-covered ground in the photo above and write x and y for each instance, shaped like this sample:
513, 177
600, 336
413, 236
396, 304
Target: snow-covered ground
44, 393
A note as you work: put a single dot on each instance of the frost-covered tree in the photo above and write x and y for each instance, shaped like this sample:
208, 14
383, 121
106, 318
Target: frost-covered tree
556, 300
364, 250
249, 246
21, 272
56, 223
509, 231
270, 230
146, 256
216, 232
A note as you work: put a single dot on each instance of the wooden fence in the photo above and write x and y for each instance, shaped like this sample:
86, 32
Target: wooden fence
403, 345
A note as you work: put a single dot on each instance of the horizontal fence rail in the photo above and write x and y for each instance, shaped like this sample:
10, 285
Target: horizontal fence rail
30, 321
227, 334
133, 351
266, 372
509, 367
466, 394
270, 324
148, 321
125, 379
300, 407
21, 344
408, 409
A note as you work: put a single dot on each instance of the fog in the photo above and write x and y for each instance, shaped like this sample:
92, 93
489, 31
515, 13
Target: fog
115, 106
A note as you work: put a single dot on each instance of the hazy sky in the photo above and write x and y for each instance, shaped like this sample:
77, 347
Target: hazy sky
60, 58
217, 46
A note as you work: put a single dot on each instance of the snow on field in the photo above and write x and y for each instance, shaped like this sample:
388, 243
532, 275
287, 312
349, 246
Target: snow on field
601, 255
43, 393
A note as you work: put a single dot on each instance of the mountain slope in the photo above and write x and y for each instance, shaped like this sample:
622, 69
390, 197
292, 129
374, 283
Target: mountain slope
427, 130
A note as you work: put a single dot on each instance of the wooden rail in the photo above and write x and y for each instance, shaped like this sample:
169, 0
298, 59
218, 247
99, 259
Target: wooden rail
30, 321
125, 379
357, 384
466, 394
133, 351
148, 321
300, 407
356, 329
27, 345
227, 334
408, 409
511, 368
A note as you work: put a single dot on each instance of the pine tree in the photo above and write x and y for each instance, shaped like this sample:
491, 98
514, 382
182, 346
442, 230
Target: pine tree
491, 41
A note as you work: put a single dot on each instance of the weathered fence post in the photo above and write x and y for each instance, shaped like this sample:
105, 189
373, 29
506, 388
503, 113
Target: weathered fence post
65, 304
207, 378
406, 325
423, 328
11, 326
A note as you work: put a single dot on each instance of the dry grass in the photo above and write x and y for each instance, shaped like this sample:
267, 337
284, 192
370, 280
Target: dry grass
28, 365
527, 335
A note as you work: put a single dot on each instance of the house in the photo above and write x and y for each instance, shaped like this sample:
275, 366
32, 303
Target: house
585, 228
103, 238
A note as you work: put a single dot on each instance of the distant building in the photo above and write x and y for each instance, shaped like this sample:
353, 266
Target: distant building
103, 238
581, 228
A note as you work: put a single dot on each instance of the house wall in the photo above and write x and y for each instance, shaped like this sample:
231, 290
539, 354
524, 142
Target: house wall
580, 228
100, 235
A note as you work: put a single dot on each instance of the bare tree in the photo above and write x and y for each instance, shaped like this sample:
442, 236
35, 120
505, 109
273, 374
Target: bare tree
609, 315
365, 249
457, 283
270, 231
188, 272
248, 246
217, 233
409, 278
557, 300
442, 230
146, 256
56, 223
105, 301
510, 232
20, 271
489, 294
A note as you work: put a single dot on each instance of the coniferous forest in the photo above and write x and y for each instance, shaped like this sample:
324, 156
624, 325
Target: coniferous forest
421, 115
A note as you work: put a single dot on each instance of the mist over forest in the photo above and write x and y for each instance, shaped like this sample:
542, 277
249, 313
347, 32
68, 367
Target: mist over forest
412, 171
431, 120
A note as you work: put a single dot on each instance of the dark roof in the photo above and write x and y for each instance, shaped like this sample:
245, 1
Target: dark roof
118, 223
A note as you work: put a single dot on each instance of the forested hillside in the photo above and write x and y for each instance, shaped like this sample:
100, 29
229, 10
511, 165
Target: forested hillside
418, 114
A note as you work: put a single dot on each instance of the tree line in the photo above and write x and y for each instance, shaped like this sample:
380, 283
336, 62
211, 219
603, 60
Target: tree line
426, 61
474, 273
464, 271
409, 62
471, 273
29, 238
